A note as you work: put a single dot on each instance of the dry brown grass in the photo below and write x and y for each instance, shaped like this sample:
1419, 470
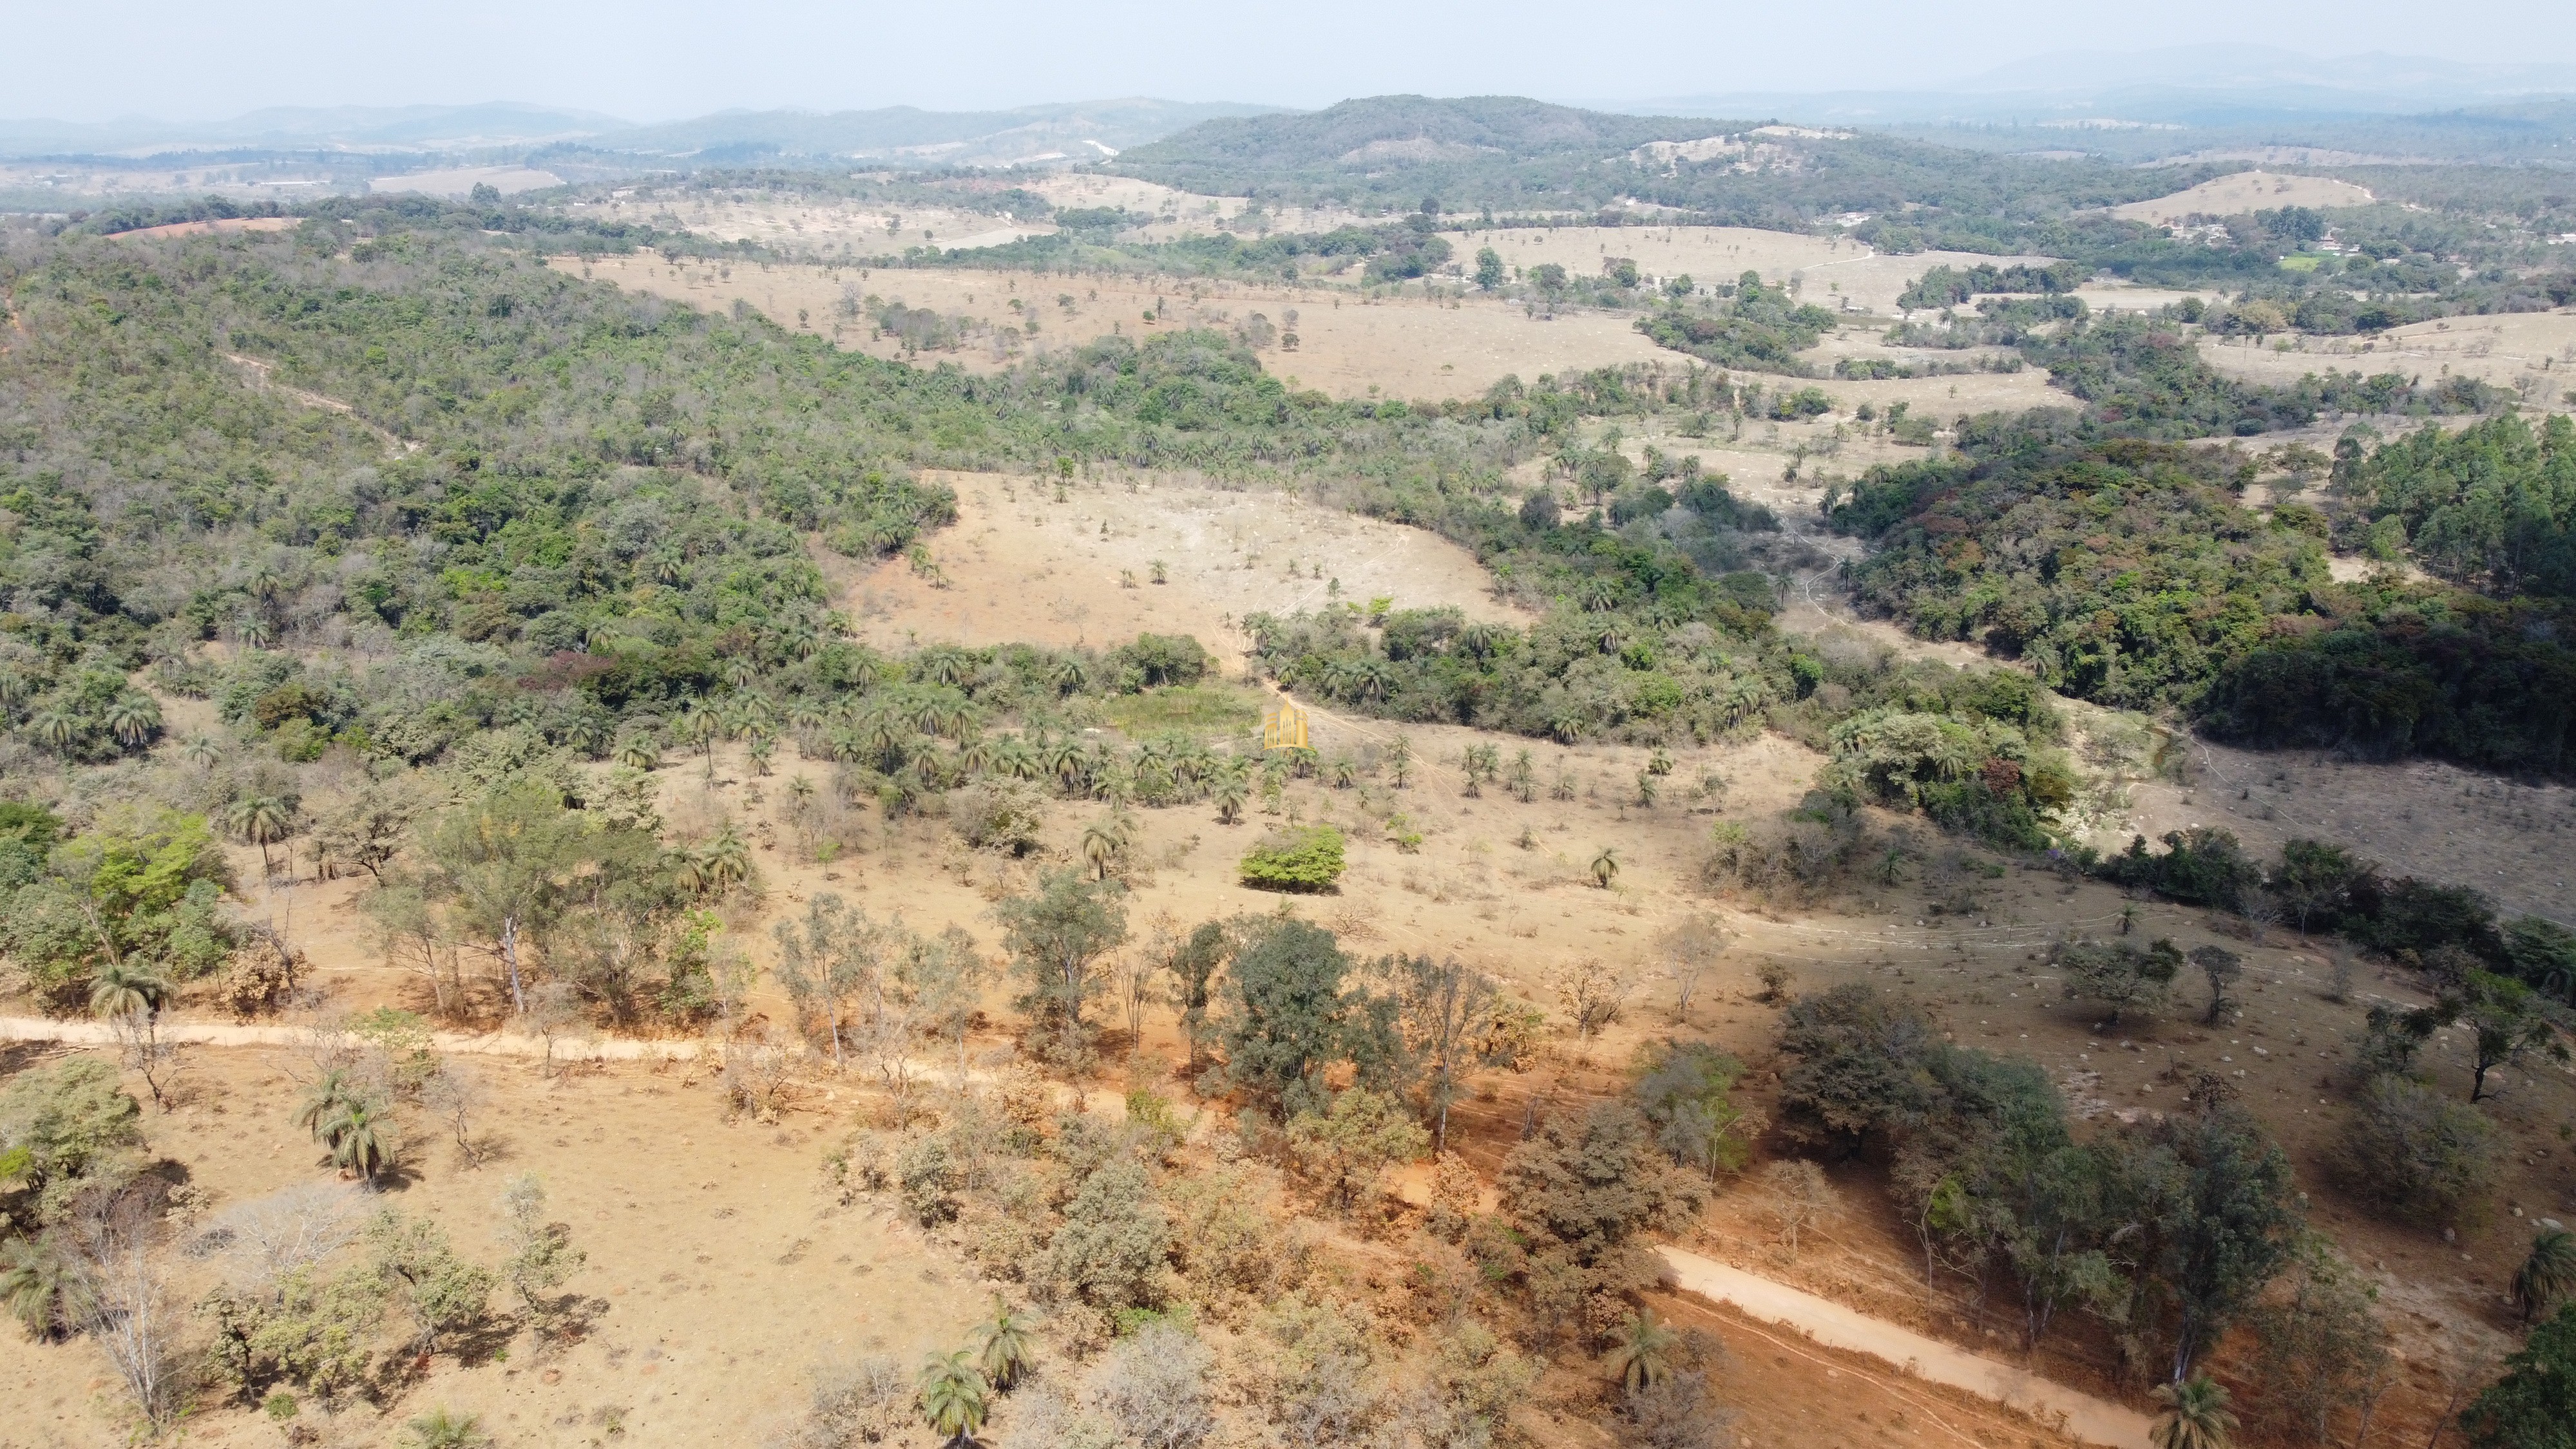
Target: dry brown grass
2246, 191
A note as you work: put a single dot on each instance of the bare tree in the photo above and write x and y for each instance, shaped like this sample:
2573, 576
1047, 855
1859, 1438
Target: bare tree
1591, 991
146, 1054
128, 1308
1799, 1197
271, 1237
1691, 947
837, 954
1448, 1007
457, 1096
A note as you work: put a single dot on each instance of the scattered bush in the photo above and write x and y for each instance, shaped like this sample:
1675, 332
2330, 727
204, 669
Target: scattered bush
1307, 859
2415, 1152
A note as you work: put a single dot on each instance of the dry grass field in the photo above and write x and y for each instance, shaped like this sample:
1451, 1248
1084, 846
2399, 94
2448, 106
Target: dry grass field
454, 182
2534, 352
1017, 566
2244, 192
1408, 347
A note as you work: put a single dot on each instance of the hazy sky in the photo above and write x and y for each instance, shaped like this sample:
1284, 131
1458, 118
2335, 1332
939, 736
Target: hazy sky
659, 59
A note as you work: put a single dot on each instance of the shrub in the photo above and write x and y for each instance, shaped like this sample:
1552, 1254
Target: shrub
1308, 859
2118, 974
2534, 1404
1003, 815
2415, 1152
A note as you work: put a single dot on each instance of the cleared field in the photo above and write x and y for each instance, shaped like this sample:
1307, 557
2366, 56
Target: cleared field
1020, 566
2121, 297
2244, 192
459, 181
2534, 352
811, 225
1408, 347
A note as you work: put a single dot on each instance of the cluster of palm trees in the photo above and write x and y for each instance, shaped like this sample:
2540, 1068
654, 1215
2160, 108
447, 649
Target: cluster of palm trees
352, 1124
713, 868
132, 718
957, 1389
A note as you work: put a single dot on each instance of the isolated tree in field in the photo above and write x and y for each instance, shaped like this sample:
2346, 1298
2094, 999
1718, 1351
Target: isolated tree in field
2408, 1148
1058, 934
833, 955
541, 1254
503, 863
944, 978
2221, 966
443, 1293
2223, 1222
2119, 975
1489, 269
1605, 867
1691, 948
2547, 1274
263, 820
1584, 1190
2192, 1414
2506, 1025
1005, 1345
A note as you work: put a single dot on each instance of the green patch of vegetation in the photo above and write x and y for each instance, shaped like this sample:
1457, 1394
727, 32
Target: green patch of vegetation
1203, 710
1302, 859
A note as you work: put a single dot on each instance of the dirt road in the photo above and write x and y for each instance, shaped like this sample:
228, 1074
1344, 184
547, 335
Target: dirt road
2095, 1421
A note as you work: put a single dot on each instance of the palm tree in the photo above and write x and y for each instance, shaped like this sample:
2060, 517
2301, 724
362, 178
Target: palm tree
953, 1394
587, 735
263, 820
445, 1429
638, 754
2548, 1275
1099, 848
358, 1139
122, 988
1643, 1356
13, 689
133, 718
762, 749
55, 729
37, 1286
1605, 867
740, 671
727, 859
1068, 673
324, 1101
800, 790
1231, 791
2192, 1415
256, 631
203, 754
1005, 1345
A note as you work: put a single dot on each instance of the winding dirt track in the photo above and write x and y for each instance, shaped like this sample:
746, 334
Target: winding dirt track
2095, 1421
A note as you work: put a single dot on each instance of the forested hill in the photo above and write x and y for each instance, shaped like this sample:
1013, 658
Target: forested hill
1510, 154
1378, 133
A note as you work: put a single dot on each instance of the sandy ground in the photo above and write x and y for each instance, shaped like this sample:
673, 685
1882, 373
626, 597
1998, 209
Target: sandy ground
221, 224
2246, 191
1409, 347
719, 1271
2532, 351
1020, 566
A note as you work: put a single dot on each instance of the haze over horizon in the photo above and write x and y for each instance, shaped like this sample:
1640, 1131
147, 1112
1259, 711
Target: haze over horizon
662, 60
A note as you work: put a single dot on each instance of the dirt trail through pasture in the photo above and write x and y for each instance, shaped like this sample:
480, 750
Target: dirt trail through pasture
2078, 1414
215, 1033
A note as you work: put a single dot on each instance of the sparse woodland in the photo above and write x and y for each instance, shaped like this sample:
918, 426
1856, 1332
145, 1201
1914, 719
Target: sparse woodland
374, 552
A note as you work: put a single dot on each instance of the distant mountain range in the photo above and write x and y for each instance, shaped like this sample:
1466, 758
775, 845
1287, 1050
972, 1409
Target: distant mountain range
1084, 130
2176, 84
